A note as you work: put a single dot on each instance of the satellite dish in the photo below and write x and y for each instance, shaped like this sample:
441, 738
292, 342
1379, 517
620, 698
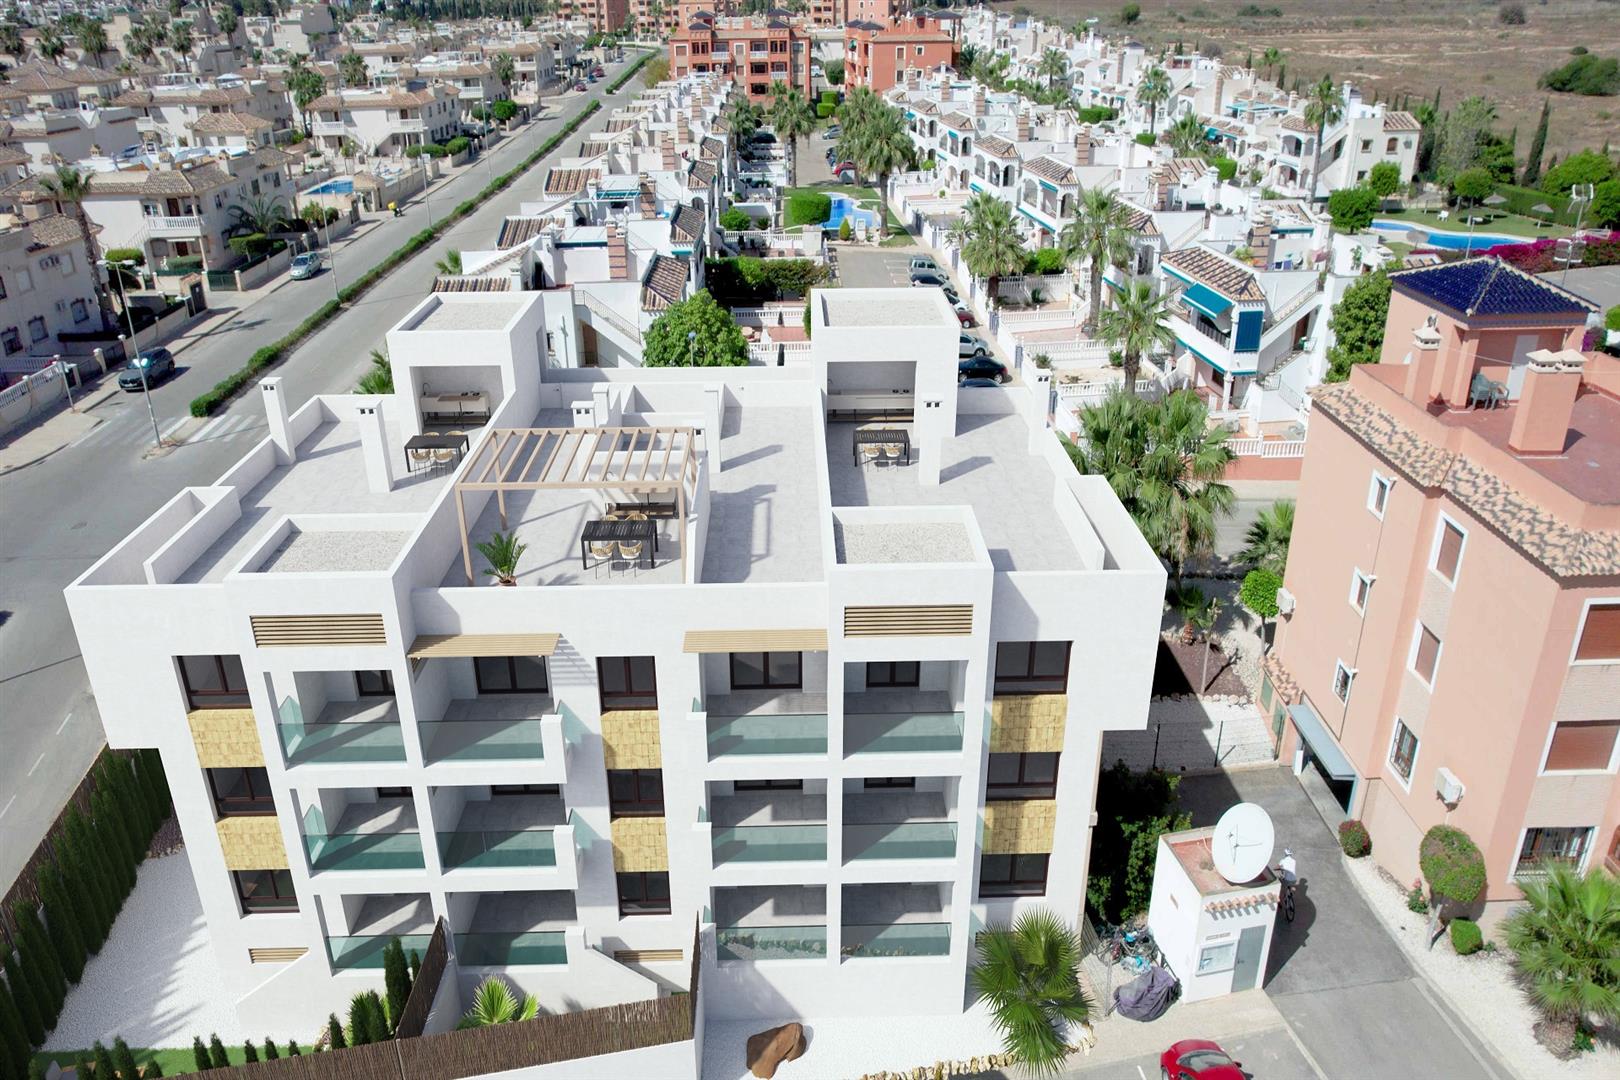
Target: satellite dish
1241, 846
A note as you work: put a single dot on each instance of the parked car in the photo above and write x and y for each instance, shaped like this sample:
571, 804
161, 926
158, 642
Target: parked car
158, 364
845, 172
924, 263
1199, 1059
951, 298
968, 345
979, 382
980, 366
762, 137
580, 85
597, 71
306, 265
929, 279
833, 131
965, 316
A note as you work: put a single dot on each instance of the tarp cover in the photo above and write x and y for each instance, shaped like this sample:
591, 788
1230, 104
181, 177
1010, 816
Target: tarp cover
1147, 996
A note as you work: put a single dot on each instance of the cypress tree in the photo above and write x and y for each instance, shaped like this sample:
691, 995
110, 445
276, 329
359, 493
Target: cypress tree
62, 923
101, 1060
25, 997
416, 965
147, 785
334, 1032
292, 1049
359, 1020
199, 1055
40, 958
122, 778
87, 879
153, 1070
216, 1052
36, 1069
123, 832
124, 1061
81, 1065
160, 784
397, 980
13, 1038
249, 1051
112, 840
270, 1049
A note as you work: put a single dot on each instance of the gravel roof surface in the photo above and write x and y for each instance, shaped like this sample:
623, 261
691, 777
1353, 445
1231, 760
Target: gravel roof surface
343, 551
934, 542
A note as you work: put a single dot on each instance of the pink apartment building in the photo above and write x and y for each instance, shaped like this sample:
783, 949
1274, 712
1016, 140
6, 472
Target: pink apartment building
1453, 649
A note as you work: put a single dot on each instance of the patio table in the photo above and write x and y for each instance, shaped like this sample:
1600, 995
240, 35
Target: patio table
881, 436
623, 530
457, 443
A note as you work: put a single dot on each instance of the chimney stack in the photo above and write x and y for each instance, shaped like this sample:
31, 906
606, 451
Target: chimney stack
1159, 189
1220, 90
648, 201
683, 131
1261, 241
666, 146
374, 446
980, 108
275, 415
1421, 364
1083, 150
1023, 126
618, 254
1551, 385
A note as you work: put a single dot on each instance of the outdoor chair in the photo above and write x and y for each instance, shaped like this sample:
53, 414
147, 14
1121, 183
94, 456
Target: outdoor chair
444, 456
603, 550
630, 550
1486, 392
870, 453
891, 453
420, 458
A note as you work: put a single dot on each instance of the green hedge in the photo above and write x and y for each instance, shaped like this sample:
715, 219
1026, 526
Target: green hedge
1466, 937
825, 109
272, 354
613, 87
808, 208
457, 145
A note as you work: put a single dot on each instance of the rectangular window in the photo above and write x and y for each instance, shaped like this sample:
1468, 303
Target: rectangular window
1032, 667
767, 785
393, 793
1389, 146
1360, 590
877, 783
1021, 776
1425, 654
1378, 494
767, 671
1221, 957
241, 792
264, 891
635, 792
1403, 751
80, 311
214, 682
627, 682
1012, 875
1581, 746
893, 674
1448, 548
1600, 633
11, 340
1342, 678
644, 893
374, 683
36, 328
526, 789
510, 674
1563, 846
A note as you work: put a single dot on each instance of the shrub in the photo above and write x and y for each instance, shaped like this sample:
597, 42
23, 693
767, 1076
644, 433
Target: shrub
845, 230
736, 220
334, 1032
216, 1053
184, 264
270, 1051
1353, 838
1452, 865
1611, 321
249, 1051
457, 145
101, 1060
124, 1059
1586, 167
1511, 14
1146, 138
25, 995
1415, 900
825, 109
125, 254
1465, 936
1259, 592
1097, 114
808, 208
292, 1048
429, 149
1588, 75
397, 979
199, 1055
1130, 13
250, 246
505, 110
1352, 209
1044, 261
1133, 811
1225, 167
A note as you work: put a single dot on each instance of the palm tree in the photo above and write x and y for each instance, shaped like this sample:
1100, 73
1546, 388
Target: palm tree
882, 146
92, 41
992, 248
1267, 539
140, 44
379, 378
11, 41
262, 214
505, 69
1271, 58
745, 118
1153, 90
50, 45
1054, 65
1181, 495
1099, 235
494, 1002
1566, 941
1203, 620
450, 264
305, 85
792, 117
353, 70
1029, 975
1137, 326
70, 187
1323, 108
1187, 136
180, 41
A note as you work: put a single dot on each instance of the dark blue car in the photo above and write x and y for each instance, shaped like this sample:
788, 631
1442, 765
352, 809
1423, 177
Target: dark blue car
981, 367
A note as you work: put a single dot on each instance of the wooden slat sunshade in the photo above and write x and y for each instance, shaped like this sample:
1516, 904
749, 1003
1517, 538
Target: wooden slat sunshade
429, 646
913, 620
730, 641
294, 631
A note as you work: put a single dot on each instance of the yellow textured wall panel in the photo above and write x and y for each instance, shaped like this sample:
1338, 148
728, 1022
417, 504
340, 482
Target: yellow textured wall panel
630, 739
1027, 723
639, 844
1019, 828
252, 843
226, 738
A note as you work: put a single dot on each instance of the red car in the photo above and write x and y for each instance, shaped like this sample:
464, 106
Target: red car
1199, 1059
598, 72
966, 318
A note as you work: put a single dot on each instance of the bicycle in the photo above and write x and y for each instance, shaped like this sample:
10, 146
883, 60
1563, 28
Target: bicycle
1133, 949
1288, 890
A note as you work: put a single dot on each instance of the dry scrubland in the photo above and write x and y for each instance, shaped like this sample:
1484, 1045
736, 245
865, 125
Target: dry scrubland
1398, 47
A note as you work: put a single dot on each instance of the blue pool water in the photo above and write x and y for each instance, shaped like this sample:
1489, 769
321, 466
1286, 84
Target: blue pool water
333, 187
844, 207
1449, 240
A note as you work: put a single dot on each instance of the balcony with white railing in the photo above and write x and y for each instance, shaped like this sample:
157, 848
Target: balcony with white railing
329, 127
183, 226
410, 126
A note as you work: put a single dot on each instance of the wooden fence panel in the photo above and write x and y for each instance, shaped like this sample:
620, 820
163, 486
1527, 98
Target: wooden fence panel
413, 1018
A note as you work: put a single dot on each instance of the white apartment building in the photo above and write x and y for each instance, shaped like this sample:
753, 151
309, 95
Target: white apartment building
384, 121
46, 289
169, 113
838, 700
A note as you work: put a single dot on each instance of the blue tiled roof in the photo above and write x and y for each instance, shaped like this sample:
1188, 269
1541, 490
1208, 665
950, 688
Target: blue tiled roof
1488, 286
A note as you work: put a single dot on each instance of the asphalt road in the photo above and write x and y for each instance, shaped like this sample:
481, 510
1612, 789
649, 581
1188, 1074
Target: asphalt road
60, 515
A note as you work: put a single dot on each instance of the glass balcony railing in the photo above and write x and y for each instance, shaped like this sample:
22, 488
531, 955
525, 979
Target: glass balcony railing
775, 733
770, 843
482, 740
897, 939
747, 943
364, 851
489, 850
485, 949
317, 744
903, 733
901, 840
352, 953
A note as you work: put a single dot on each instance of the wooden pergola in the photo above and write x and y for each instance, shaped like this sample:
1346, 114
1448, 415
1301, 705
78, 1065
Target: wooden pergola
642, 460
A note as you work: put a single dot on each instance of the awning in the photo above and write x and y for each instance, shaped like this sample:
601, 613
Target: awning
1321, 741
729, 641
429, 646
1207, 300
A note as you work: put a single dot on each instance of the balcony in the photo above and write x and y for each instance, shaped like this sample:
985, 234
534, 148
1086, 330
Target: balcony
409, 127
896, 921
787, 922
769, 827
766, 723
329, 127
379, 920
504, 831
371, 835
904, 824
344, 732
901, 722
179, 227
512, 928
494, 727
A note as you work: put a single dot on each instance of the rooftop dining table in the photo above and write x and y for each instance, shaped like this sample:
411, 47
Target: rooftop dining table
882, 437
433, 442
619, 531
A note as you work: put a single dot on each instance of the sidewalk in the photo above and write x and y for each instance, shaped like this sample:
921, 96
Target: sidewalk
1221, 1019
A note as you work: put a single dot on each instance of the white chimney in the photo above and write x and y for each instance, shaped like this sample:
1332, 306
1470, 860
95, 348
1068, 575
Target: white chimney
275, 415
374, 445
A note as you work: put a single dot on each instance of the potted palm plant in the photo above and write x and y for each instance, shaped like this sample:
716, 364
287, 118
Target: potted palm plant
502, 551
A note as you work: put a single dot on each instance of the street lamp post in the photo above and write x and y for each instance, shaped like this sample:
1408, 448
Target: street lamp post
146, 392
691, 348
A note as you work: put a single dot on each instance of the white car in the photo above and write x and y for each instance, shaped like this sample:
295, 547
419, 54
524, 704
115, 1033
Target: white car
970, 345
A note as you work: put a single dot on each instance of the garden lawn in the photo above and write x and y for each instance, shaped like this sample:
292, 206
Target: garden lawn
865, 197
1500, 224
171, 1061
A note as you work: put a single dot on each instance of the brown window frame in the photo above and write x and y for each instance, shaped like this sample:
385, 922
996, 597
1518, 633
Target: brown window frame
1012, 884
255, 805
1548, 765
1419, 636
894, 680
502, 790
1023, 789
1029, 682
225, 698
641, 805
381, 688
1603, 650
1530, 858
880, 783
511, 674
768, 678
646, 901
1395, 755
767, 785
1447, 529
633, 696
279, 902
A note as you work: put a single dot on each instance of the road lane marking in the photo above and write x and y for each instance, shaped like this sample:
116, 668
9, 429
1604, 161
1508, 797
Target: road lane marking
37, 764
203, 432
66, 720
8, 806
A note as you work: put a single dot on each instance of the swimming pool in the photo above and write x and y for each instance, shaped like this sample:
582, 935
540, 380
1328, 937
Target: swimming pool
1450, 241
333, 187
844, 207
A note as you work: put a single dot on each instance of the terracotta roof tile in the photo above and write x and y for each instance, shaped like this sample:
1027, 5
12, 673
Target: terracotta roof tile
54, 231
1401, 121
1224, 276
570, 181
996, 146
687, 223
1049, 169
958, 121
519, 230
665, 282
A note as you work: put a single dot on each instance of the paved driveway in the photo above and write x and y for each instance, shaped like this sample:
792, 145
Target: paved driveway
1343, 986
